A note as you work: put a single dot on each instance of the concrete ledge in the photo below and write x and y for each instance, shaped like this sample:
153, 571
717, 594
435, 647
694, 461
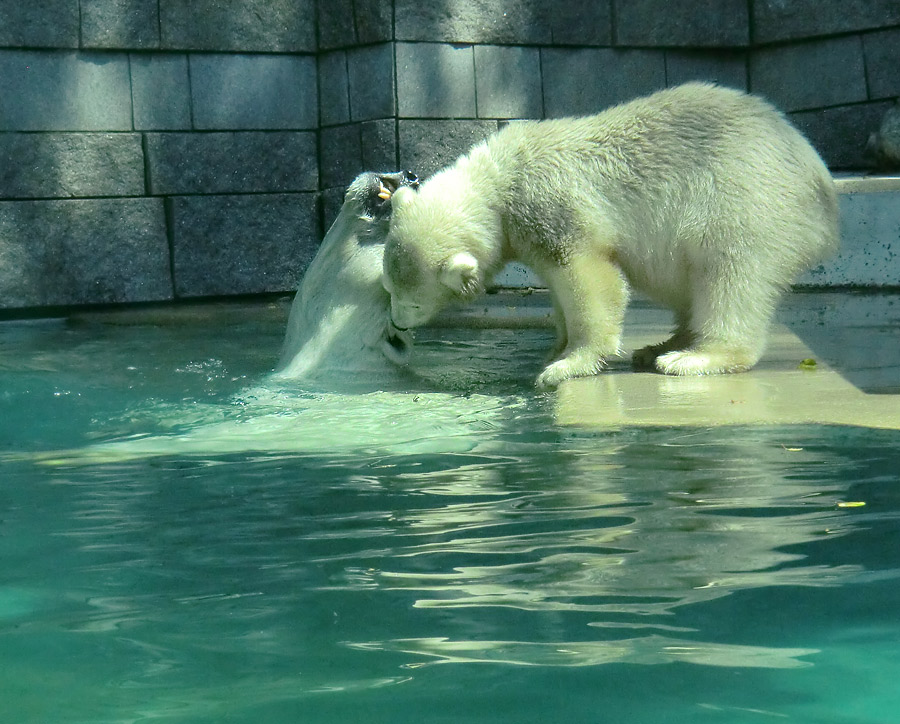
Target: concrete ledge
867, 185
870, 236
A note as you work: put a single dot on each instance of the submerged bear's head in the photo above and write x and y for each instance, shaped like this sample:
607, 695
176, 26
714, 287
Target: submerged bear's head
339, 321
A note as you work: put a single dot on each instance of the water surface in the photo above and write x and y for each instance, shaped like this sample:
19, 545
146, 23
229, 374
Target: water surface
184, 540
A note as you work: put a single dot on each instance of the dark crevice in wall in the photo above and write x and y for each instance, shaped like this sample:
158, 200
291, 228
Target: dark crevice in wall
169, 211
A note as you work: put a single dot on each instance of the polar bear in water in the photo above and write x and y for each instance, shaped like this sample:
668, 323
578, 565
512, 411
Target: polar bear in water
339, 319
704, 198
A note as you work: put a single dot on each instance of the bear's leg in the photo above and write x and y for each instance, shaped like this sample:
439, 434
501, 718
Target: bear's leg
729, 318
591, 294
559, 323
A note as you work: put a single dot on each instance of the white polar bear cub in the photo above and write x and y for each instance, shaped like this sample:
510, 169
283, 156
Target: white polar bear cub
704, 198
339, 319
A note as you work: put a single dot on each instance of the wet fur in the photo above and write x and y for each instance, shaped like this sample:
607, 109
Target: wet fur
338, 321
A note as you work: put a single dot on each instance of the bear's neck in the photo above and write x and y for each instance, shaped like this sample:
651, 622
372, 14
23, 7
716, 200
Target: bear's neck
481, 175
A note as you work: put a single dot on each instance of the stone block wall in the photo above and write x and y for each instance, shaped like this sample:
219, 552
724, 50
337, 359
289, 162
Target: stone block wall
166, 149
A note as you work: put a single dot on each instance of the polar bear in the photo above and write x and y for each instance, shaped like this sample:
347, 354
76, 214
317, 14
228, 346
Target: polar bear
338, 320
702, 197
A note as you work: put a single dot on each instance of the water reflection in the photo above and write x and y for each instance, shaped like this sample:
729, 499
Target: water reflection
651, 649
618, 532
276, 541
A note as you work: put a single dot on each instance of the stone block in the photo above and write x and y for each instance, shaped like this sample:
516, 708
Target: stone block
242, 162
96, 251
160, 92
882, 63
334, 89
472, 21
775, 20
345, 23
728, 68
269, 26
505, 22
347, 151
235, 92
840, 134
64, 91
242, 244
337, 28
810, 75
586, 81
435, 81
371, 71
331, 200
119, 24
61, 165
698, 23
579, 22
39, 24
378, 140
341, 155
428, 146
508, 82
374, 21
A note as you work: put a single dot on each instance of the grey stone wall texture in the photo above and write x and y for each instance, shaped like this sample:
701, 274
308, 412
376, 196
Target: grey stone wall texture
155, 150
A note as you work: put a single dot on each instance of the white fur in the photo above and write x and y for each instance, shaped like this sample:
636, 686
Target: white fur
705, 198
338, 321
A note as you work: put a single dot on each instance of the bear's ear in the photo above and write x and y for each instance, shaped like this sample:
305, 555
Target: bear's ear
460, 274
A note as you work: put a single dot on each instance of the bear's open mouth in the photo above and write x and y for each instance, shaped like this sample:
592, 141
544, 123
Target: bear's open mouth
397, 345
387, 185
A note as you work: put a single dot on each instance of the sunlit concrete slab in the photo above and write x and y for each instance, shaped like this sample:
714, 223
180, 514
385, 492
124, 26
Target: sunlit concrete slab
853, 340
781, 390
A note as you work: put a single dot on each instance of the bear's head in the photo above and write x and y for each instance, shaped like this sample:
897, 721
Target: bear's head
372, 195
428, 256
340, 314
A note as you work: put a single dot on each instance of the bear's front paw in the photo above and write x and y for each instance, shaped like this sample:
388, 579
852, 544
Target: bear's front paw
553, 375
582, 362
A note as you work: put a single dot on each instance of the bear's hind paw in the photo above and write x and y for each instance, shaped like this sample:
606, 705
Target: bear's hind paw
694, 362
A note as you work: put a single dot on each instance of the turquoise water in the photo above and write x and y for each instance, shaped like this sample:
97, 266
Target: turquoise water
183, 540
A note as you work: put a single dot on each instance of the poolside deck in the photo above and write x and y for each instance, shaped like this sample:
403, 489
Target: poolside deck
854, 339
